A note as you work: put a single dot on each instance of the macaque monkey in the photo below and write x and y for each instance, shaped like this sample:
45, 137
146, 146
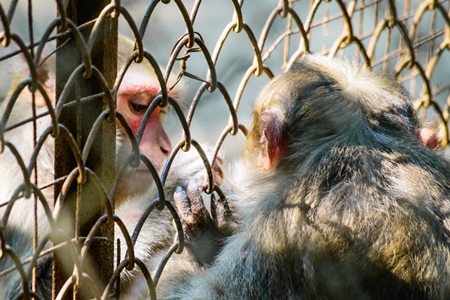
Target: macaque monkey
137, 90
337, 197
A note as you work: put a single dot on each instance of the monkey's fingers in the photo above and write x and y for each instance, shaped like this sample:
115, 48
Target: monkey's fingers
200, 214
192, 210
183, 204
223, 216
218, 170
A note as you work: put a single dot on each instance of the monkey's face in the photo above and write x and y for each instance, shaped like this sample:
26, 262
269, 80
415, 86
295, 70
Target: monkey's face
133, 102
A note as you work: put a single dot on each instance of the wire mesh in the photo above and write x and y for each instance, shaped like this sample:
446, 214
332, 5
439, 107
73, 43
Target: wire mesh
224, 53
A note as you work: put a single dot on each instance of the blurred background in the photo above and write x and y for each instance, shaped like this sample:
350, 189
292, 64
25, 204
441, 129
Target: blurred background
426, 27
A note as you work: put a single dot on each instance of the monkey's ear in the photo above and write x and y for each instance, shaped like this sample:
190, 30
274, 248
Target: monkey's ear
428, 137
270, 140
46, 78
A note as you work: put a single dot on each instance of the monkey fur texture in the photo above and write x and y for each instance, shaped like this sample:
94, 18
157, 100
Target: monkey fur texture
337, 196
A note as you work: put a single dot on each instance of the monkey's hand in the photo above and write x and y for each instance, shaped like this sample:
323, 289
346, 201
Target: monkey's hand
205, 234
189, 165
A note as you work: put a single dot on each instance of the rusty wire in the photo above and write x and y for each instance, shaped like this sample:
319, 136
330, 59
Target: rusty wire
376, 32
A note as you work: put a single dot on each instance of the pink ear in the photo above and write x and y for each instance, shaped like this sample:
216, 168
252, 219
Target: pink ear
270, 140
428, 137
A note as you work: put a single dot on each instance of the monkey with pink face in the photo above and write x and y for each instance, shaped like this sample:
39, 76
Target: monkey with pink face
337, 196
137, 90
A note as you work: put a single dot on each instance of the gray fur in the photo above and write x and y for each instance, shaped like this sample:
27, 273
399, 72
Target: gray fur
358, 208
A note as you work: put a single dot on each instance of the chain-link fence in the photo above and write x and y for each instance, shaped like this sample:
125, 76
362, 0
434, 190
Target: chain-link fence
62, 177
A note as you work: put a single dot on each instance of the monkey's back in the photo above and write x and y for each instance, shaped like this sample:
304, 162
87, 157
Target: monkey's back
375, 223
375, 228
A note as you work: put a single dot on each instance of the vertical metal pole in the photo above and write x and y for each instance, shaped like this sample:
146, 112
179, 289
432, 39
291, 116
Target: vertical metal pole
82, 205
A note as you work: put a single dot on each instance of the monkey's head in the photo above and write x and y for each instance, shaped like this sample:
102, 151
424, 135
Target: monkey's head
320, 102
136, 92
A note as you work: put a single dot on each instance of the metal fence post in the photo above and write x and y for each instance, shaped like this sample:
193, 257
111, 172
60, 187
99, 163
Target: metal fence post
82, 206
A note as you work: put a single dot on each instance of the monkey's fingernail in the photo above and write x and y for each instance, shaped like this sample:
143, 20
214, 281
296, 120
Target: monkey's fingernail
180, 194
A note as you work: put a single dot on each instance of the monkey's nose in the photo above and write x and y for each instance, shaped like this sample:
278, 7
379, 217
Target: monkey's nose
164, 145
164, 151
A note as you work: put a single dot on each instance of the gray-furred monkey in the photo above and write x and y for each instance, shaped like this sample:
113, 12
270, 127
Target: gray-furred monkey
138, 89
339, 199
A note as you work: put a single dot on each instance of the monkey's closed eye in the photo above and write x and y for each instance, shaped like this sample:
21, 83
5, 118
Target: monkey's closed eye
137, 109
